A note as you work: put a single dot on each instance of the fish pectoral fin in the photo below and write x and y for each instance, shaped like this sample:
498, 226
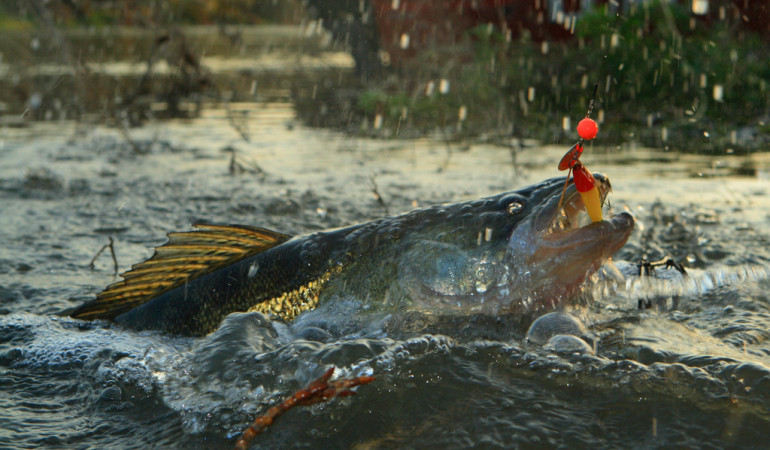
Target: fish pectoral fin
187, 255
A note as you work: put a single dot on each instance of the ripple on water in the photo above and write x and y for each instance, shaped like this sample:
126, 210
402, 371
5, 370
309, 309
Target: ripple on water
660, 378
64, 381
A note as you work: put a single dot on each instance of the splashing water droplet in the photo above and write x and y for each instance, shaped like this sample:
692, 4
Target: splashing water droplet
443, 86
462, 114
404, 41
718, 92
483, 277
429, 88
700, 7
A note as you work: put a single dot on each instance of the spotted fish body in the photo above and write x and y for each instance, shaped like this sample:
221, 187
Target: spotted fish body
468, 255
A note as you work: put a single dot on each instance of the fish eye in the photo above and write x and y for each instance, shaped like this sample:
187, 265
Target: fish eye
514, 207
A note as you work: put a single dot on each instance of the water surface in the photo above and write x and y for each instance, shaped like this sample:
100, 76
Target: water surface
693, 370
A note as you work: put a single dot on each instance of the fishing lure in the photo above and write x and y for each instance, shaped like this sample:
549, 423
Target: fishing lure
586, 186
584, 182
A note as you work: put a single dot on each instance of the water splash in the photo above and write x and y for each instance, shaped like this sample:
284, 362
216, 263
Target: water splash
670, 284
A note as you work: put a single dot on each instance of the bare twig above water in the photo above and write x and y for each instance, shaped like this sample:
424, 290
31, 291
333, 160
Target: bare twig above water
189, 80
124, 131
242, 127
378, 196
515, 149
111, 246
238, 165
445, 164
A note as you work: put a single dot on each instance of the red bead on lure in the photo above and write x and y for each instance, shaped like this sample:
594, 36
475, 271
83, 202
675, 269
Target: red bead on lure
587, 129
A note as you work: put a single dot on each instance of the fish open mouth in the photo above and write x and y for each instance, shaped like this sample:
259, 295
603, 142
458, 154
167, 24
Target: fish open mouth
570, 225
560, 246
572, 213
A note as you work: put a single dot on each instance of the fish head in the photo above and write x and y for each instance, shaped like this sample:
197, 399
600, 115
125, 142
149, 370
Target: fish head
518, 250
556, 246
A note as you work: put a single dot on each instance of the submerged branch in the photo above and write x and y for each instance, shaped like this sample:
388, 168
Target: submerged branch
320, 390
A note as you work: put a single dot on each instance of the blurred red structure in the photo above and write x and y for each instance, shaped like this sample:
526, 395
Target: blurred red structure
410, 27
407, 28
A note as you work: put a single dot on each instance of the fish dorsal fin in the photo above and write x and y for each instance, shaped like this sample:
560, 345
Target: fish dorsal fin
186, 255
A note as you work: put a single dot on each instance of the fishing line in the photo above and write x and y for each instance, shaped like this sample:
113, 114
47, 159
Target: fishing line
575, 152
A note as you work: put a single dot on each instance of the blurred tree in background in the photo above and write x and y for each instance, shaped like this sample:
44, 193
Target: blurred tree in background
139, 12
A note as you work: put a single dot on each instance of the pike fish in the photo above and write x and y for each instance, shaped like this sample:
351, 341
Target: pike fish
516, 251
